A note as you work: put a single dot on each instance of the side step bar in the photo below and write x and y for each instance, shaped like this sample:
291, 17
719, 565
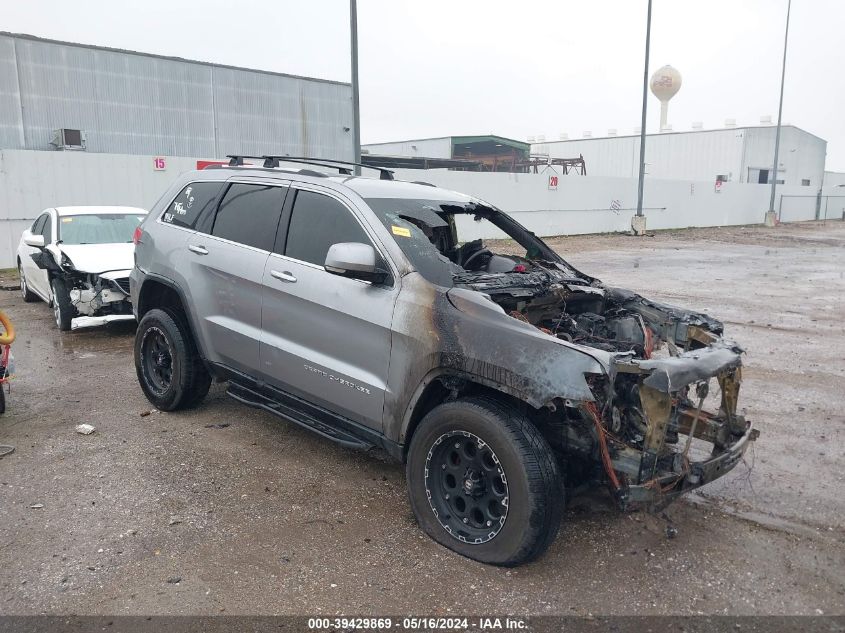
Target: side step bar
294, 414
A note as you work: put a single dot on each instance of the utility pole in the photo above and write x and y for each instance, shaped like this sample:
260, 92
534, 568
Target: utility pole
771, 215
638, 223
356, 110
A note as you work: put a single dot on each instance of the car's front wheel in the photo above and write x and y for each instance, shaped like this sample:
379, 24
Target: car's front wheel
169, 368
26, 293
63, 310
484, 482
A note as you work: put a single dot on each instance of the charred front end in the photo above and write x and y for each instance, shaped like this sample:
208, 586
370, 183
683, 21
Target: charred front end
663, 416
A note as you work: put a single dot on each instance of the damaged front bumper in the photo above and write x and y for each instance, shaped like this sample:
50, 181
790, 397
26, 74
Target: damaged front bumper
668, 396
93, 321
663, 489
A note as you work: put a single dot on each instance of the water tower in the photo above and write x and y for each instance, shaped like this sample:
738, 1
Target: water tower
665, 83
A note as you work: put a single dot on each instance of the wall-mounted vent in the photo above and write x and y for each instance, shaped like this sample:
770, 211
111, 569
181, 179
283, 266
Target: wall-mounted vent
730, 122
612, 132
68, 139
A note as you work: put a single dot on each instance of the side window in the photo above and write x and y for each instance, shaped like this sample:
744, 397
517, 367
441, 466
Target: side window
190, 204
249, 214
317, 222
47, 229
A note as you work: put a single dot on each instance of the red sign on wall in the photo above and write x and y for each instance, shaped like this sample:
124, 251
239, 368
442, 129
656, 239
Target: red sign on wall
202, 164
553, 182
159, 164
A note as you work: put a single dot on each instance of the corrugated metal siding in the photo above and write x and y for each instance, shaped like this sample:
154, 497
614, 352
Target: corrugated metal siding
142, 104
11, 125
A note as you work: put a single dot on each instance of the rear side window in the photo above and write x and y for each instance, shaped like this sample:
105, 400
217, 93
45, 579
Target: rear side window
190, 204
47, 230
249, 214
38, 224
317, 222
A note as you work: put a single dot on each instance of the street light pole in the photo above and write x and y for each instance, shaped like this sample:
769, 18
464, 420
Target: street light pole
356, 110
770, 215
642, 126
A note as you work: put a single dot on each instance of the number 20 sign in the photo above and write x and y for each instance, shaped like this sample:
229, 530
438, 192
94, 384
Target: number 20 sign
159, 164
552, 182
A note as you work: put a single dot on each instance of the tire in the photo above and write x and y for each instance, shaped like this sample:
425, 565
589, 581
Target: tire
517, 470
26, 293
63, 310
169, 368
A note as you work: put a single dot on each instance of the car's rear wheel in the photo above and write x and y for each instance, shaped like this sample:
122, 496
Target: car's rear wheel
169, 368
484, 482
63, 310
26, 293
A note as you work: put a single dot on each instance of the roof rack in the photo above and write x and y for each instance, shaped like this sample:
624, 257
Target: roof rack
237, 160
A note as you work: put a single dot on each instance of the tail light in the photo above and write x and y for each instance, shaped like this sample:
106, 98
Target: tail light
136, 236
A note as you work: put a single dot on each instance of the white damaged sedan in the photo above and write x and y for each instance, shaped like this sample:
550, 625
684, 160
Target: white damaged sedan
78, 260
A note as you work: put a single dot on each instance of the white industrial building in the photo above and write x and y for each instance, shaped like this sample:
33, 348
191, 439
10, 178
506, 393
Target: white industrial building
732, 154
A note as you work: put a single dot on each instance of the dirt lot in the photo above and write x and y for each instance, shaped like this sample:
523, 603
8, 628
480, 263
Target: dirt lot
255, 515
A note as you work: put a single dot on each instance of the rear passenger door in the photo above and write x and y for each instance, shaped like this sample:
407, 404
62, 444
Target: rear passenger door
227, 256
325, 337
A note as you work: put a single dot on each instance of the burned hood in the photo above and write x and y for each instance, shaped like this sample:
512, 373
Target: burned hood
99, 258
670, 374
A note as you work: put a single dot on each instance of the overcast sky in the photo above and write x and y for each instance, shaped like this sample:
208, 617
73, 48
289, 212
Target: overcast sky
517, 69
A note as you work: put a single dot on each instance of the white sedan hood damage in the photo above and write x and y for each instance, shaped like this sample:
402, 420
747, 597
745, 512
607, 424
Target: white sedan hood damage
99, 258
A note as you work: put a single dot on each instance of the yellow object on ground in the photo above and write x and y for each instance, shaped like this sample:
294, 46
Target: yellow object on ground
9, 335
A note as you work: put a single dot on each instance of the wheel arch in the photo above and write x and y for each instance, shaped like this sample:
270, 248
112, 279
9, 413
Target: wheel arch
160, 292
441, 385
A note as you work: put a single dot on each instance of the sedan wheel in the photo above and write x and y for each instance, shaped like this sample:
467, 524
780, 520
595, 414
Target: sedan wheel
26, 293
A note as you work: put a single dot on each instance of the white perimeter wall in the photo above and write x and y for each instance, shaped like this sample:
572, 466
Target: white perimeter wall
585, 204
31, 181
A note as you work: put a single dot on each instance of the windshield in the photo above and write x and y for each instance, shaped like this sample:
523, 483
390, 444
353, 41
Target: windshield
99, 228
443, 239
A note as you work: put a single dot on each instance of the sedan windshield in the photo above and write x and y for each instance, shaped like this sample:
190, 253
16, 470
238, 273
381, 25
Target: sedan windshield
100, 228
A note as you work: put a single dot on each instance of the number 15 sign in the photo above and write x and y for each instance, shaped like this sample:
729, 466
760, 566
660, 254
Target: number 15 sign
159, 164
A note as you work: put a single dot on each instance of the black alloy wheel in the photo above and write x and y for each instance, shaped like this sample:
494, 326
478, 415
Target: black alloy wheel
157, 360
466, 487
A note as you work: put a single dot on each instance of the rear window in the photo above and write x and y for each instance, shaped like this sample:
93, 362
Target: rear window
191, 203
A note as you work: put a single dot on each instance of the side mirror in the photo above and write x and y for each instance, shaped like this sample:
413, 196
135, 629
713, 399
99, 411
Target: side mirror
30, 239
355, 260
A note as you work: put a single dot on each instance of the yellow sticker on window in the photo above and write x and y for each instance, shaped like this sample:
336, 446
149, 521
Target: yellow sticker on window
67, 219
400, 230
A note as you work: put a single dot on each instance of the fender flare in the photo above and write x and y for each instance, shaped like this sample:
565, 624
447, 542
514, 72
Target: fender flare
189, 316
439, 372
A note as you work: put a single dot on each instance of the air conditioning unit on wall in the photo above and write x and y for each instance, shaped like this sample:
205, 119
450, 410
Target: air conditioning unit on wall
68, 139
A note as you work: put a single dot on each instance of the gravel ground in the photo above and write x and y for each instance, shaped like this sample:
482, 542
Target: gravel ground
226, 509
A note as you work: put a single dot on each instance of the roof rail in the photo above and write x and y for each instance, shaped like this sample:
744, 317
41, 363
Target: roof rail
237, 160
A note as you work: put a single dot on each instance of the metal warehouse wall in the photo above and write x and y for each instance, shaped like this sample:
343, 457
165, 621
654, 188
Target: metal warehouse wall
133, 103
31, 181
699, 155
424, 148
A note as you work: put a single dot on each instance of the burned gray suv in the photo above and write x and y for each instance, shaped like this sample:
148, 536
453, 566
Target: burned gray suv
369, 311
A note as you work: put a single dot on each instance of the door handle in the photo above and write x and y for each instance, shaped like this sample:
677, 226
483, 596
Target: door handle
284, 276
199, 250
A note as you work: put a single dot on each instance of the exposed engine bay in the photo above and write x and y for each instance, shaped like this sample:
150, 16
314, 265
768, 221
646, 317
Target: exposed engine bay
94, 298
665, 363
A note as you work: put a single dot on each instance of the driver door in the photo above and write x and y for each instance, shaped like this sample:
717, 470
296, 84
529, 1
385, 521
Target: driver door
325, 337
